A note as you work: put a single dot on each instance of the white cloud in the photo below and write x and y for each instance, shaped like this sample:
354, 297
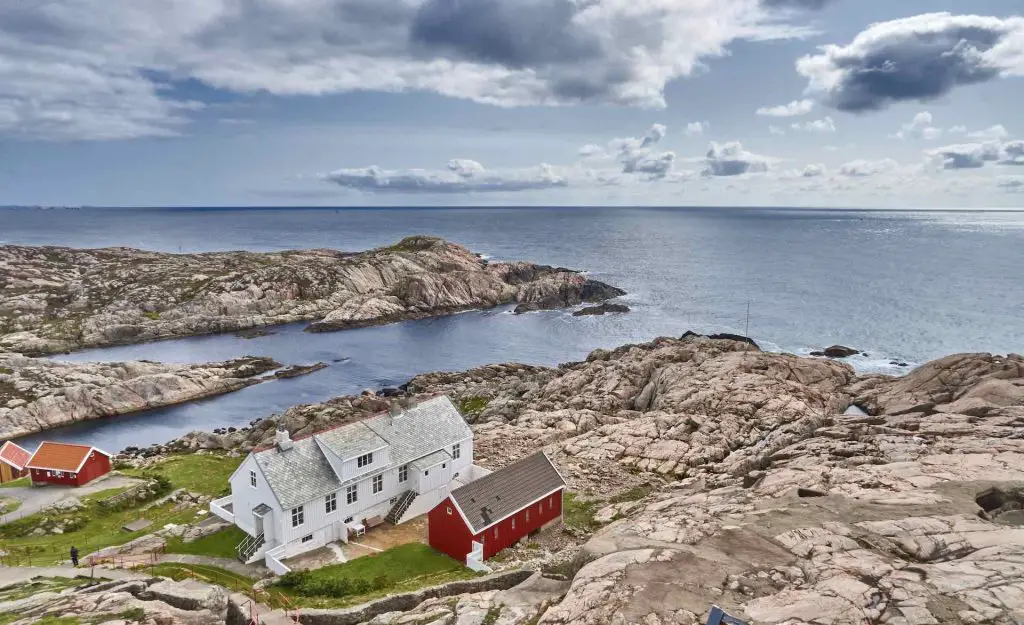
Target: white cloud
992, 132
966, 155
795, 108
730, 159
101, 69
958, 130
776, 130
695, 129
867, 168
1011, 185
920, 128
816, 170
819, 126
917, 58
461, 176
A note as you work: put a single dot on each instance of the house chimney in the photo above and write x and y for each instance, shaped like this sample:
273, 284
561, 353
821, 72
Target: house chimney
394, 409
282, 439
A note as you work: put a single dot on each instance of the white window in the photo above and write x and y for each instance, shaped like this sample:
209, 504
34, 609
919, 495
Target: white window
527, 515
252, 479
348, 519
513, 523
378, 483
427, 472
364, 460
307, 538
298, 516
495, 533
403, 473
351, 494
449, 510
456, 452
331, 503
444, 464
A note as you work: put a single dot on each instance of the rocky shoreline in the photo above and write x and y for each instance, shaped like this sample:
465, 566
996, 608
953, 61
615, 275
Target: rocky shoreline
37, 394
56, 299
785, 489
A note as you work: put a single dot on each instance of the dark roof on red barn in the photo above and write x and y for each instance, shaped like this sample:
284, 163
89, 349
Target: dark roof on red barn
506, 491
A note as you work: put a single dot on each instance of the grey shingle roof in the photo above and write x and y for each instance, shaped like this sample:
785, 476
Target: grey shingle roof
299, 474
504, 492
351, 440
430, 460
302, 473
425, 428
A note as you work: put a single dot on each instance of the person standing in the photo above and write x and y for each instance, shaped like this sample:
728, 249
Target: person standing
74, 555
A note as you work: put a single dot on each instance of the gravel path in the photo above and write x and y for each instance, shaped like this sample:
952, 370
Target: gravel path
35, 498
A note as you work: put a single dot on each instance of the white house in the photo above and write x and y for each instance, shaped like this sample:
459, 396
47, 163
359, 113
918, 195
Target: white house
302, 494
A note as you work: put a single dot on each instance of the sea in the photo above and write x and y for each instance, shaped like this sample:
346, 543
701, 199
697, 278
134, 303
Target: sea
898, 286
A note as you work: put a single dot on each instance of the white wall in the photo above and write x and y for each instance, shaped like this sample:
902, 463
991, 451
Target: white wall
244, 497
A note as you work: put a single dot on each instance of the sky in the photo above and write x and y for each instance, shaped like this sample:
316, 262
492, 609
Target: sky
806, 103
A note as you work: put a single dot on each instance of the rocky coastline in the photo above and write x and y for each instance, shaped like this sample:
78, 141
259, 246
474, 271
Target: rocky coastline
57, 299
785, 489
38, 394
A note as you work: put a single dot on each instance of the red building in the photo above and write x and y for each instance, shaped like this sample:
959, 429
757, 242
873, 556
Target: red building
12, 462
71, 465
483, 517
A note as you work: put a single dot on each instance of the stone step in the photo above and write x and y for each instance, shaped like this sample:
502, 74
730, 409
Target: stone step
275, 617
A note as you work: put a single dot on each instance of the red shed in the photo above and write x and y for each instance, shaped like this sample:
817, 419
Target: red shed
480, 519
12, 462
71, 465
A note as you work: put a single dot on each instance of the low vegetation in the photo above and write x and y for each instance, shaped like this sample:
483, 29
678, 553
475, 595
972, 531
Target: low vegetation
21, 482
205, 474
399, 569
8, 505
218, 545
41, 584
578, 513
472, 405
205, 573
633, 494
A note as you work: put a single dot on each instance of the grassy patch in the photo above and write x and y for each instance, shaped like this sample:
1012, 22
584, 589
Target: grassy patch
472, 405
18, 483
492, 616
399, 569
579, 514
219, 544
151, 315
6, 370
205, 474
100, 495
205, 573
8, 506
634, 494
42, 584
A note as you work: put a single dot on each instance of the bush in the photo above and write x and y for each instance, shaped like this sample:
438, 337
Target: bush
293, 579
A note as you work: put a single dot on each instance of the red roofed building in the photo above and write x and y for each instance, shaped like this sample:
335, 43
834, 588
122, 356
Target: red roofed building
71, 465
478, 520
12, 462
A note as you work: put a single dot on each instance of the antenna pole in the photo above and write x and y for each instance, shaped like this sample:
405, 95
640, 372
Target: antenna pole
747, 331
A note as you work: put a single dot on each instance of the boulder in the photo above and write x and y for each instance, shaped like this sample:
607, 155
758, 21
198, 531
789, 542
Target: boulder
601, 309
840, 351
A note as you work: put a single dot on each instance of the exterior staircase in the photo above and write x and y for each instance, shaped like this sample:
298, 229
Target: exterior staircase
249, 546
404, 501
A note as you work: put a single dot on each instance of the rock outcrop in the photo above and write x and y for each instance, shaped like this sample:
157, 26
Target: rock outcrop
601, 309
725, 475
37, 394
56, 299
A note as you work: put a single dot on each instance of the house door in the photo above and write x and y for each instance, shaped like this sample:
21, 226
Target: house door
258, 523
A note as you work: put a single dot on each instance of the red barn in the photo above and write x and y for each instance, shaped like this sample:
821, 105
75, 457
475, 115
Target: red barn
71, 465
478, 520
12, 462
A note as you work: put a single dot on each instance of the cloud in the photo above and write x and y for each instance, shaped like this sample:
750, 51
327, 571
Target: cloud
993, 132
810, 171
776, 130
867, 168
958, 130
918, 58
820, 126
967, 155
637, 154
730, 159
98, 69
796, 4
920, 128
694, 129
795, 108
1011, 185
461, 176
1013, 153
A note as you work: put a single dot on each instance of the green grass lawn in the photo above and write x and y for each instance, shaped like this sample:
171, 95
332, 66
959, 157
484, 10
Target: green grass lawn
399, 569
18, 483
219, 544
578, 513
9, 505
206, 474
104, 494
204, 573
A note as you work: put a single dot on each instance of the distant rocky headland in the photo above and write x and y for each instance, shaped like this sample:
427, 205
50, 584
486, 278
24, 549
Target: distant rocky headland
58, 299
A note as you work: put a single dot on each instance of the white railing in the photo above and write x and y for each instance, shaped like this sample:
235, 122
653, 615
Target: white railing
223, 508
475, 559
273, 559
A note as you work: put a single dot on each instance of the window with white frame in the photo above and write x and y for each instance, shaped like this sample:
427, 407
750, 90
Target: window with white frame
252, 479
527, 515
378, 483
495, 533
307, 538
456, 452
348, 519
513, 523
364, 460
331, 503
351, 494
298, 516
403, 473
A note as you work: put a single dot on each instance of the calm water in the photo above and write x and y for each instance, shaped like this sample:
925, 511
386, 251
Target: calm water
911, 286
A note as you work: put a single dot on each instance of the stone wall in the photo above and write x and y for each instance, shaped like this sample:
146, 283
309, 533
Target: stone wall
408, 601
